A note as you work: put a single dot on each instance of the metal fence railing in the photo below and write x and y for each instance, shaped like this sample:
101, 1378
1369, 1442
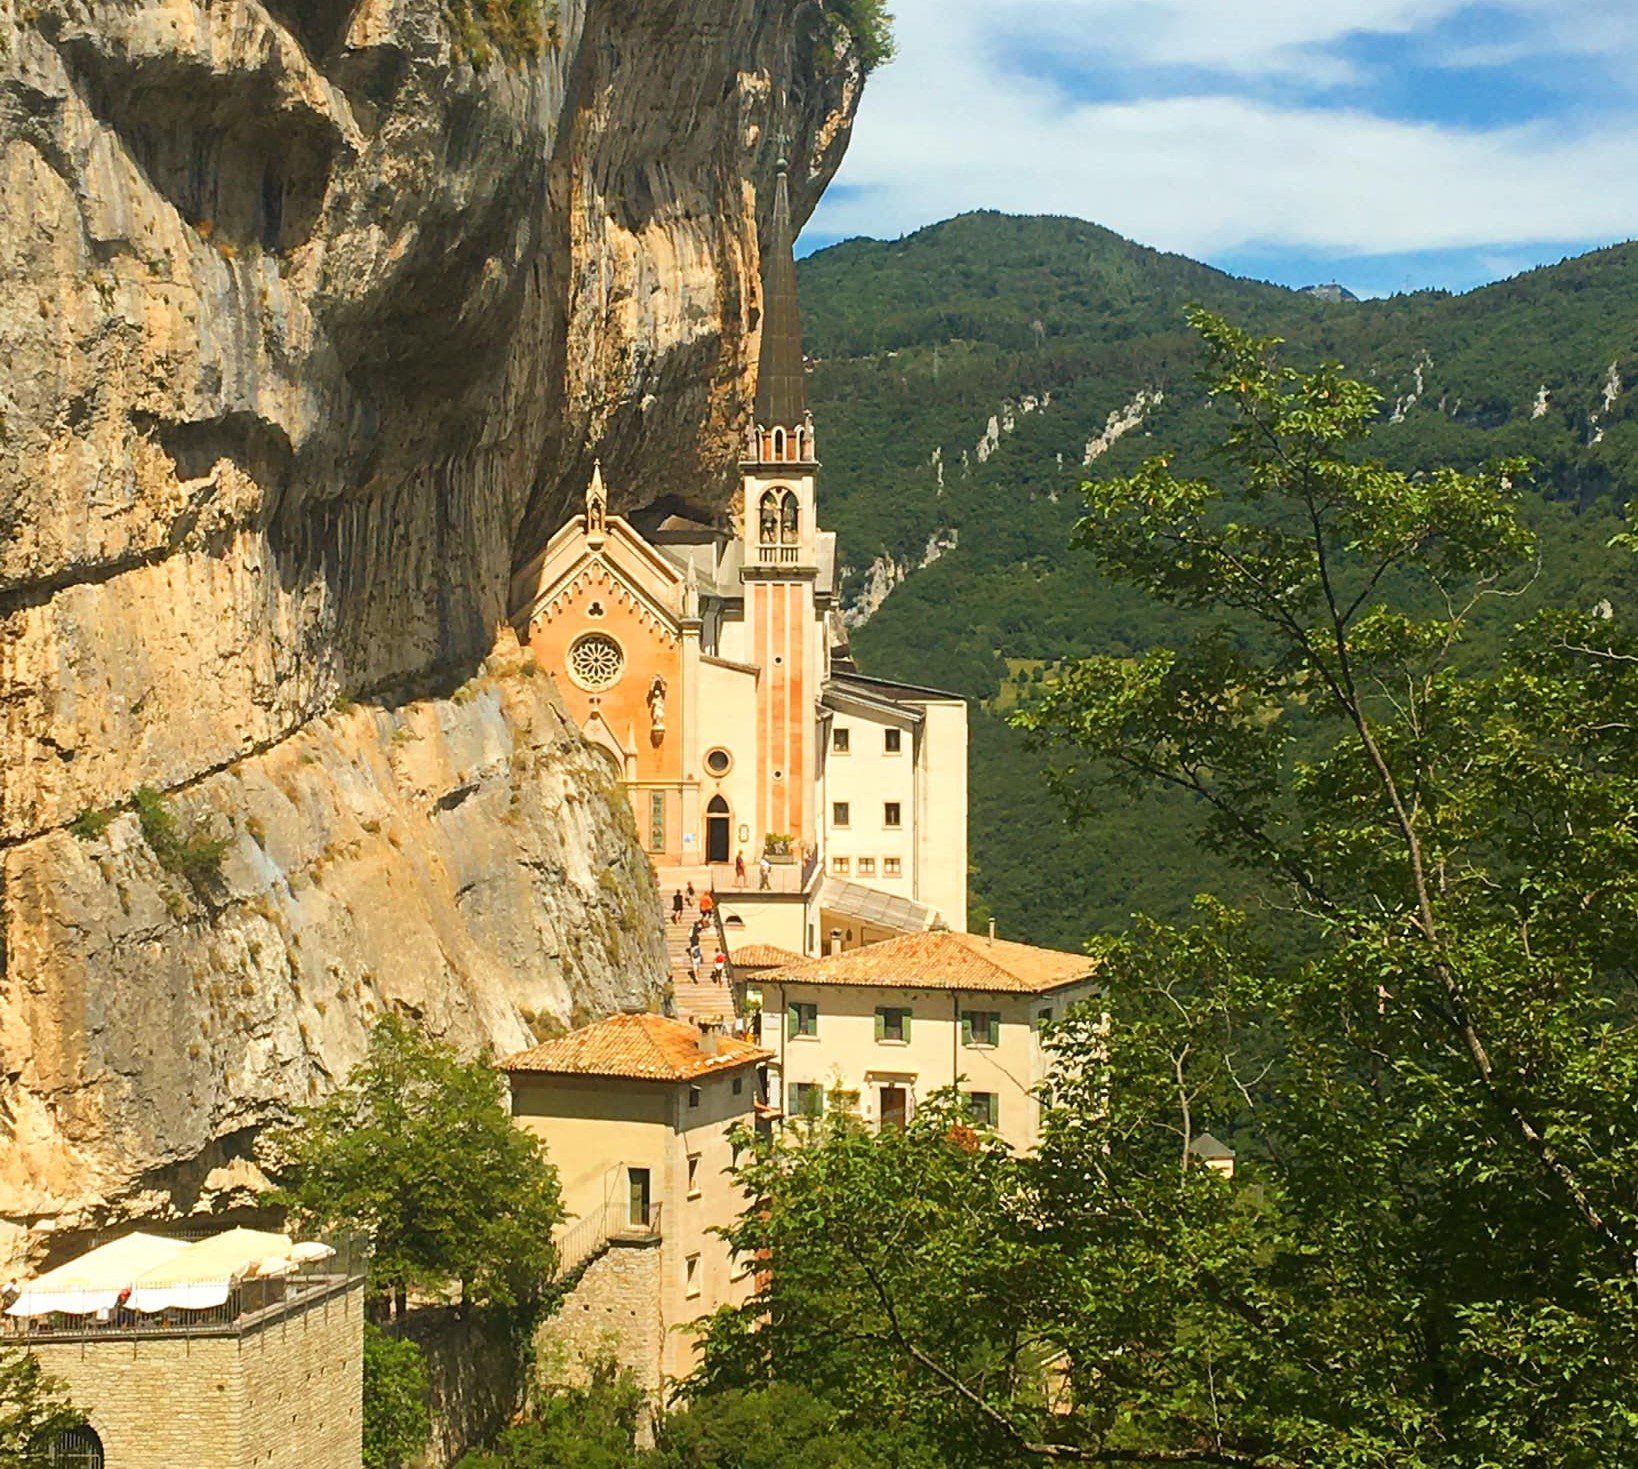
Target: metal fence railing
249, 1301
581, 1239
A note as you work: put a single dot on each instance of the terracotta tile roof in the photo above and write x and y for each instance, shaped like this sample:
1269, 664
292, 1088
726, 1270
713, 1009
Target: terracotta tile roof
638, 1047
942, 960
763, 956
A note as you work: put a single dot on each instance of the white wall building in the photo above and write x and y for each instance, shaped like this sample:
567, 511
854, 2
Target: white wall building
894, 1022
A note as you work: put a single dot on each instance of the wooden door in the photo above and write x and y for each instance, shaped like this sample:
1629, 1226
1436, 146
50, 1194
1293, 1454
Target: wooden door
637, 1181
895, 1106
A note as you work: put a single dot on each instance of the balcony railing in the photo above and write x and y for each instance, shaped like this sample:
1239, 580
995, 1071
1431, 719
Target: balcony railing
249, 1303
584, 1238
779, 555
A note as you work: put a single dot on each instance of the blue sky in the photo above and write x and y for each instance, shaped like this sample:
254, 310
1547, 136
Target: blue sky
1388, 144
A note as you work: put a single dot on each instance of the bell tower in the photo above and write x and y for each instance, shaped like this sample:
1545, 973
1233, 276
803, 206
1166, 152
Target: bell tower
780, 545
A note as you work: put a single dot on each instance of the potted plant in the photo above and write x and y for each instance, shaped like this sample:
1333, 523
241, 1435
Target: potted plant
777, 846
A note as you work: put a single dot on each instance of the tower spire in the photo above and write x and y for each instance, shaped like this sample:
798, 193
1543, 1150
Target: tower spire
781, 394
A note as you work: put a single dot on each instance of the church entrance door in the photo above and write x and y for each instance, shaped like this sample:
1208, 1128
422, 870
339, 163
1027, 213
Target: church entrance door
717, 828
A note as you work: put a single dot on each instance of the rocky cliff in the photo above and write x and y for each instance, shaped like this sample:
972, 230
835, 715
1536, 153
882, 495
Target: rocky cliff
312, 328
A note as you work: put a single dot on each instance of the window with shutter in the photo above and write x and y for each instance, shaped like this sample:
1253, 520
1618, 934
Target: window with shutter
980, 1027
985, 1108
892, 1023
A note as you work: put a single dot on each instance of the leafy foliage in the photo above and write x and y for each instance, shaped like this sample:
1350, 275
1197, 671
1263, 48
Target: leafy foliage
397, 1418
869, 25
590, 1426
1426, 1257
919, 342
417, 1150
91, 823
515, 30
34, 1409
192, 854
595, 1426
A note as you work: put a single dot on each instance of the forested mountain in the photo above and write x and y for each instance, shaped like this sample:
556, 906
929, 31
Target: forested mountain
968, 379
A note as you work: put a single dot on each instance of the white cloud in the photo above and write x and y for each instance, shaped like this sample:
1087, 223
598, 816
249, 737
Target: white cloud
955, 125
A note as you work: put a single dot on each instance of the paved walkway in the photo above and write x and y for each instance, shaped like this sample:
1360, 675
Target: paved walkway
696, 999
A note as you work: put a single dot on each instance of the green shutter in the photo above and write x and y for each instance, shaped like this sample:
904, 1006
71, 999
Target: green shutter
966, 1027
992, 1027
790, 1020
881, 1023
904, 1024
792, 1105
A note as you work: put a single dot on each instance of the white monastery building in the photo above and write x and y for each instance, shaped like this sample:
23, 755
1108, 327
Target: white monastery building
711, 667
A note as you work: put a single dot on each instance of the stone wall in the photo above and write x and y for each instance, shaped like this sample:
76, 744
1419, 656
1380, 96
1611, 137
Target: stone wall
613, 1310
285, 1395
474, 1375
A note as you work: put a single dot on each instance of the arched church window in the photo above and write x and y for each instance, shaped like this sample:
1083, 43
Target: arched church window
779, 443
769, 519
717, 807
596, 661
790, 519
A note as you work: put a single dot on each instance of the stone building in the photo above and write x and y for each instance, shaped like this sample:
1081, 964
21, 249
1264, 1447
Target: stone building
888, 1024
241, 1351
709, 666
636, 1113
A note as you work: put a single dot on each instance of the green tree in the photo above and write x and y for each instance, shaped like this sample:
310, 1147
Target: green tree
34, 1409
1426, 1257
397, 1418
589, 1426
418, 1150
782, 1426
877, 1244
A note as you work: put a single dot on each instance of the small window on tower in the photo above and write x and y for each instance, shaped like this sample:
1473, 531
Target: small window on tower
890, 813
790, 518
890, 740
839, 813
839, 738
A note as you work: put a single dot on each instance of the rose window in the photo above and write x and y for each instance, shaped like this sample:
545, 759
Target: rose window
596, 661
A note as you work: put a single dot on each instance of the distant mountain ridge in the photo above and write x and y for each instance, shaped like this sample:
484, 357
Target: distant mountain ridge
969, 377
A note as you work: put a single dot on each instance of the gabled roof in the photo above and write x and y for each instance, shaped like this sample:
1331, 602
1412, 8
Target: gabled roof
763, 956
940, 959
636, 1047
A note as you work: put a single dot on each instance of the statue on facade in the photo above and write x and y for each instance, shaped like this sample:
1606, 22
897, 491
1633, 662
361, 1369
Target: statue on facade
656, 708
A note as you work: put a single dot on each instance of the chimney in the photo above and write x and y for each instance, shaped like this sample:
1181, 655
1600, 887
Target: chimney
835, 942
992, 930
708, 1041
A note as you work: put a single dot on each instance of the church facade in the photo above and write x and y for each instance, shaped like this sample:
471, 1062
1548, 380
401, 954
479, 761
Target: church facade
709, 664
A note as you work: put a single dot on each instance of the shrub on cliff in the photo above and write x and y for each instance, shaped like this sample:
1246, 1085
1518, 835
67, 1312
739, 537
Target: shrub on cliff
418, 1150
34, 1409
192, 854
514, 30
869, 24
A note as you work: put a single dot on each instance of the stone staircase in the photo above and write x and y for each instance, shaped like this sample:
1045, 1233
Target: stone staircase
696, 999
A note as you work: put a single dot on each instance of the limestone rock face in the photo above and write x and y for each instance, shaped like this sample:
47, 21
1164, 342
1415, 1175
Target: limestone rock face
310, 332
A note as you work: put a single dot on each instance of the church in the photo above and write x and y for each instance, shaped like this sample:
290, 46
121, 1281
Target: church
711, 665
